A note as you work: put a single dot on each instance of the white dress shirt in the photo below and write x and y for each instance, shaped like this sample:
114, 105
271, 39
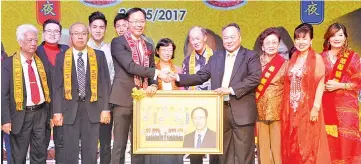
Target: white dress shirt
108, 56
24, 64
228, 68
202, 133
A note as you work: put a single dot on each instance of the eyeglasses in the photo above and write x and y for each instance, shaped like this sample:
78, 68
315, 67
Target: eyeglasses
232, 38
199, 118
166, 50
49, 32
137, 22
271, 43
79, 34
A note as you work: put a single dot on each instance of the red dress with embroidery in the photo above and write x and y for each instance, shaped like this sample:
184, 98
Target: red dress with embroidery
303, 141
342, 109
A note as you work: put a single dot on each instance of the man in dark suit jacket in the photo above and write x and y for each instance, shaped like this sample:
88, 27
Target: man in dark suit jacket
47, 52
234, 73
81, 90
202, 137
134, 67
25, 99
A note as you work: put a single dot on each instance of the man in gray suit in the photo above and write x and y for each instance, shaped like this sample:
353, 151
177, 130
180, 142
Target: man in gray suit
134, 67
202, 137
234, 73
81, 96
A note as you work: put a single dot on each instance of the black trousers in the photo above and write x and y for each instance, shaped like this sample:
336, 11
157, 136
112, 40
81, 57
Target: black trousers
123, 118
58, 136
32, 132
238, 140
105, 139
87, 132
198, 159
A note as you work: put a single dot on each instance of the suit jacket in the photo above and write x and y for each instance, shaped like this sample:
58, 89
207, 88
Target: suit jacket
209, 140
50, 68
125, 69
69, 108
8, 105
245, 78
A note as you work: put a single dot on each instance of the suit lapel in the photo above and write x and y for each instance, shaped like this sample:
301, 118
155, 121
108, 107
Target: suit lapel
41, 53
221, 65
237, 63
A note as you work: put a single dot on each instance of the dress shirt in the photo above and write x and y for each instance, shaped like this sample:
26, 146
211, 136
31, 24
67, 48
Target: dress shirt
24, 64
228, 68
108, 56
202, 133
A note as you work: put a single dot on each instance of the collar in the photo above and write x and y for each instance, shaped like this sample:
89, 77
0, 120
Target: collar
235, 52
135, 38
23, 58
92, 43
202, 133
203, 54
84, 51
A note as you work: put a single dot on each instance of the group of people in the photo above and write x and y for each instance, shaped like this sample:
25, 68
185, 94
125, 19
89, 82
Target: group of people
305, 109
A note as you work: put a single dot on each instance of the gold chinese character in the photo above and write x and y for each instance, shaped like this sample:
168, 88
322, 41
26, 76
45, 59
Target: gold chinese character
340, 67
263, 81
260, 87
271, 68
48, 8
338, 74
267, 75
312, 8
343, 61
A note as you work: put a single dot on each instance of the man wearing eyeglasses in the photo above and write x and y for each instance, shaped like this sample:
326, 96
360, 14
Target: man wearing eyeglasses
47, 51
81, 95
134, 67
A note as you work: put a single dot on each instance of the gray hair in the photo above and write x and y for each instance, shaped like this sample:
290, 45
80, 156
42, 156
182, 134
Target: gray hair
204, 31
22, 29
76, 23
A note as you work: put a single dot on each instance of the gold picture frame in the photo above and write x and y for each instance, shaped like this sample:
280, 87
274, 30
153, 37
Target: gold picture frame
163, 123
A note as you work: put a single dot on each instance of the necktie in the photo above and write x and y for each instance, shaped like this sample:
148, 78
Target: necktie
35, 95
199, 141
202, 60
81, 75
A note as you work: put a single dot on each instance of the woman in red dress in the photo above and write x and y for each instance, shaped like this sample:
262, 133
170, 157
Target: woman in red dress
304, 139
340, 104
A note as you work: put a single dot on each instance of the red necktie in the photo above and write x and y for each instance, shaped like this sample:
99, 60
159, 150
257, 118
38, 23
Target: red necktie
35, 95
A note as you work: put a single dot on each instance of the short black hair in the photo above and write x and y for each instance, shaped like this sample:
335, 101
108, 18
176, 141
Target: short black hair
97, 15
48, 21
119, 16
133, 10
164, 42
200, 108
302, 30
232, 25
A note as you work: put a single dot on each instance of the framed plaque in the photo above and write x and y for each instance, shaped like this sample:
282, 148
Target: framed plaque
177, 122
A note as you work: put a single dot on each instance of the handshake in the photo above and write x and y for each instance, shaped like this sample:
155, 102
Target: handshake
167, 75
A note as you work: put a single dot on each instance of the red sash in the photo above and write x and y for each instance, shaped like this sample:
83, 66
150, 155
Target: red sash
339, 70
268, 74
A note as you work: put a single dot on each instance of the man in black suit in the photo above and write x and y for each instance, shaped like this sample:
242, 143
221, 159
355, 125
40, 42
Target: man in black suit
234, 73
25, 99
134, 67
81, 96
202, 137
47, 52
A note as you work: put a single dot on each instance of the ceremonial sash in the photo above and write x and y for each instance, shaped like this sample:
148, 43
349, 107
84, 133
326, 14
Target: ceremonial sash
68, 60
136, 56
192, 62
268, 74
339, 70
18, 80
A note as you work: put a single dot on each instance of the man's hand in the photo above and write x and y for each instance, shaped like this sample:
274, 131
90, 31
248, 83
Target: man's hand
6, 128
151, 90
105, 117
58, 119
164, 75
332, 85
223, 91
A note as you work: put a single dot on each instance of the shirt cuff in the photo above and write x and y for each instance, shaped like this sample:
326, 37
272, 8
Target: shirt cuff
178, 79
232, 92
57, 113
156, 74
106, 110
